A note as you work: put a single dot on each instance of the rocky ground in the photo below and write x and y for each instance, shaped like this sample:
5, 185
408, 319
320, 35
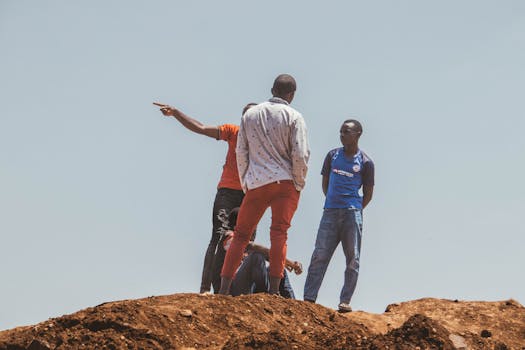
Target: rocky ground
261, 321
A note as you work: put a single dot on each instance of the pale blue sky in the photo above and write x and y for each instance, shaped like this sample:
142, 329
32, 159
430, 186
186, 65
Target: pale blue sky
102, 198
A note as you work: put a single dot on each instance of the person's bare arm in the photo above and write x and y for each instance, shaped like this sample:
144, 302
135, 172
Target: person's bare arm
259, 249
188, 122
368, 191
290, 265
326, 181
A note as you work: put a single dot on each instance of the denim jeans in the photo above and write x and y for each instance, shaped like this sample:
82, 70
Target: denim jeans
225, 200
337, 225
253, 277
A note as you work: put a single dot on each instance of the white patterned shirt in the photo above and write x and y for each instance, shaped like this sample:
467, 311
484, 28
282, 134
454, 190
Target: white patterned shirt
272, 145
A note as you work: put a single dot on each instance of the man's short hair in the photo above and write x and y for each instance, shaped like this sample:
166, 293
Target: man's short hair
248, 106
284, 84
357, 125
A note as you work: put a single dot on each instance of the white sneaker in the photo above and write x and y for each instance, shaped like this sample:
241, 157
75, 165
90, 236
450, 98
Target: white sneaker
344, 307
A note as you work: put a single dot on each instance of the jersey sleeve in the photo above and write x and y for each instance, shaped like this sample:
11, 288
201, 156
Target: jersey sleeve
227, 131
327, 164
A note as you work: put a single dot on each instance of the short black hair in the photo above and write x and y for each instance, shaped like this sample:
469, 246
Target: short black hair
283, 85
358, 126
248, 106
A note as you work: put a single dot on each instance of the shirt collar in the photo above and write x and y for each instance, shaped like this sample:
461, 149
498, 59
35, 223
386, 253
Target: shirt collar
278, 100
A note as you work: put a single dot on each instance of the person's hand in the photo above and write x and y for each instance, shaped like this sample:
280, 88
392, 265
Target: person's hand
167, 110
295, 266
227, 240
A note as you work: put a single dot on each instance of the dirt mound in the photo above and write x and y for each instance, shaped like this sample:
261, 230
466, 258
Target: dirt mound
261, 321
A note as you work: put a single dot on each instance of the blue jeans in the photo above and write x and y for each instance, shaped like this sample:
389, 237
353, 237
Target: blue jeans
337, 225
253, 277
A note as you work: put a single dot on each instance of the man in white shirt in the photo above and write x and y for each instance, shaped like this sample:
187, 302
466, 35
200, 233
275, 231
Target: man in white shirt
272, 156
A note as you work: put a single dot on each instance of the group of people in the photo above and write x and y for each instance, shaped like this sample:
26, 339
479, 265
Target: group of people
266, 166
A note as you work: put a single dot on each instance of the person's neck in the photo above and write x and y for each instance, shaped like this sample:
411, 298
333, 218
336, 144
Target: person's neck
351, 150
285, 98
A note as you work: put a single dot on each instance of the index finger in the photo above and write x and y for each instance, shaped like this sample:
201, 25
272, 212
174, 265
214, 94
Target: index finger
160, 104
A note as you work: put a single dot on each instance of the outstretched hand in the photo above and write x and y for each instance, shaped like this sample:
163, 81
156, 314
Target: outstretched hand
167, 110
296, 267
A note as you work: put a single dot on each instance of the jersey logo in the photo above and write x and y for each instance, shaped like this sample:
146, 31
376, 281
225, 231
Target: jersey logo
342, 172
356, 168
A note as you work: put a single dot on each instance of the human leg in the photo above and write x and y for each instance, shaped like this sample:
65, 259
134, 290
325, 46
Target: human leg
351, 242
251, 277
225, 200
285, 289
218, 261
325, 244
259, 275
252, 209
284, 204
212, 245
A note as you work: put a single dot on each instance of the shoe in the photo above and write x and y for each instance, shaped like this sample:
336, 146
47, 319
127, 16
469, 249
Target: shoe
225, 285
344, 307
275, 282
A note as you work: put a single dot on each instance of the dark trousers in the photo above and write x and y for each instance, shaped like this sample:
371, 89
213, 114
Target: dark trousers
253, 277
225, 200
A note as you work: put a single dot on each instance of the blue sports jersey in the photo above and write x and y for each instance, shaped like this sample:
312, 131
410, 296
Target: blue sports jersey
347, 175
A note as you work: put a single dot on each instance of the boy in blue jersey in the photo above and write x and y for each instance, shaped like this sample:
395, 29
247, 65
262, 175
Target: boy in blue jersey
345, 171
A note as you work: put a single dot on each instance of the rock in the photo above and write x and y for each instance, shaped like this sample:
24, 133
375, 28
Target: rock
486, 334
39, 345
186, 313
458, 341
391, 307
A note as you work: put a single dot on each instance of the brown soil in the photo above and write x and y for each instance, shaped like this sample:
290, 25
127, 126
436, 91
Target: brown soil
261, 321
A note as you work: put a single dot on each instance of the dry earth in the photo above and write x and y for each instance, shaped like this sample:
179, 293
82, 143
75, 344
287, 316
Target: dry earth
261, 321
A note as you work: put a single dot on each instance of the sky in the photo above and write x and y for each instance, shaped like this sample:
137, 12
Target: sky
102, 198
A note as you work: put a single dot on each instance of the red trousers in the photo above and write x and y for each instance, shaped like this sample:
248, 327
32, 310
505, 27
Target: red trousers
283, 198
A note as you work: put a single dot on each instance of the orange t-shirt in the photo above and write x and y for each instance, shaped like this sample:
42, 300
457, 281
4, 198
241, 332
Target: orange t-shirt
230, 175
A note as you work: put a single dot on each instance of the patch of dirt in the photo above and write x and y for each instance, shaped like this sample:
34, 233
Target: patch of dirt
261, 321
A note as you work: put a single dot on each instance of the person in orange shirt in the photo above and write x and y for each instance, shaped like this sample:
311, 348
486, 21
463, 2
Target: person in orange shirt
229, 191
